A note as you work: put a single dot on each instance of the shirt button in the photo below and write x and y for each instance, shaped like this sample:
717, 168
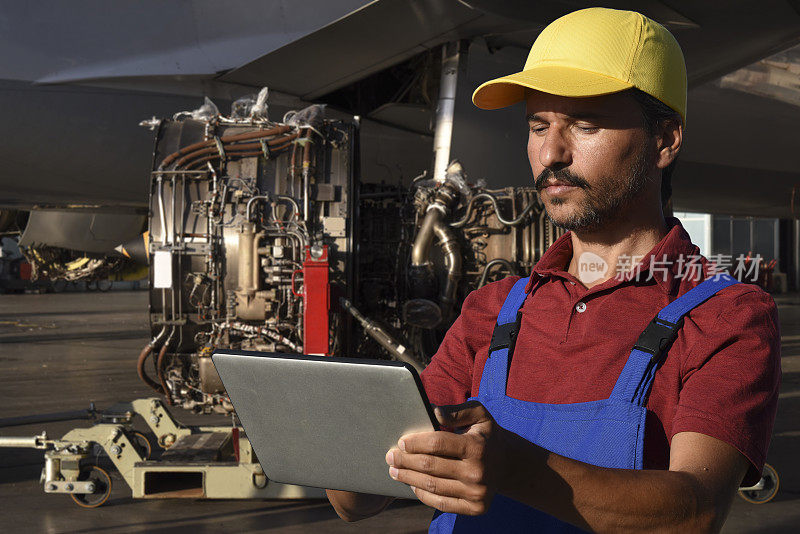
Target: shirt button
571, 282
580, 307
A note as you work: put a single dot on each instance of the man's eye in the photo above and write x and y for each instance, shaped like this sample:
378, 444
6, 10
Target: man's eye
539, 129
587, 128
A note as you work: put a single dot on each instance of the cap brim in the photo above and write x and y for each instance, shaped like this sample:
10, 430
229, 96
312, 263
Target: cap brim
555, 80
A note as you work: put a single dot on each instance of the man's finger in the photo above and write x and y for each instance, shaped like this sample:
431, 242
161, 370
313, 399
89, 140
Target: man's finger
452, 505
425, 463
432, 484
461, 415
437, 443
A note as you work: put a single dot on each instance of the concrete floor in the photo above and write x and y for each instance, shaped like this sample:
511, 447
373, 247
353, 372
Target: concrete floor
60, 351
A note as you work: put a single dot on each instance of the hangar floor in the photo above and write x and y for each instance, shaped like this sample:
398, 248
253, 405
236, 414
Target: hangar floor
59, 351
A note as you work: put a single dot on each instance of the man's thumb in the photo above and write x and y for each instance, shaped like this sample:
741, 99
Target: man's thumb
461, 415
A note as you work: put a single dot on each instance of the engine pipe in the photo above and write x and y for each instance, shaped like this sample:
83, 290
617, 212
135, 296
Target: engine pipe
232, 149
452, 254
497, 261
260, 330
445, 109
160, 362
255, 268
422, 277
246, 259
140, 364
195, 164
508, 222
376, 332
248, 212
229, 139
420, 250
307, 177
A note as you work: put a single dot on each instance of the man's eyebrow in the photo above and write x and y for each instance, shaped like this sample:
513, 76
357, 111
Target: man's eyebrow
588, 115
578, 115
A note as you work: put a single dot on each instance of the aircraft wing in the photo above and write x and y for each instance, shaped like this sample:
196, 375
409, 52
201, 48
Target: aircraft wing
716, 40
84, 73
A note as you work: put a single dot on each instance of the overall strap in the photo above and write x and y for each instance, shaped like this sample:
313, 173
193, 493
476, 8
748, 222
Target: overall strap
636, 379
495, 371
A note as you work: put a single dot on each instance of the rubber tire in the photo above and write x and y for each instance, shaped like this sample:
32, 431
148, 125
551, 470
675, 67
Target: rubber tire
141, 444
772, 483
104, 285
58, 286
102, 483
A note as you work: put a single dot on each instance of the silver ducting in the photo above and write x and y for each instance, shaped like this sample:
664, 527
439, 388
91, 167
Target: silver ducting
452, 254
451, 55
425, 309
384, 339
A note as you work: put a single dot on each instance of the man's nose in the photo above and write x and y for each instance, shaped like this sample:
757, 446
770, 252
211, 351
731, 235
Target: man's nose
555, 151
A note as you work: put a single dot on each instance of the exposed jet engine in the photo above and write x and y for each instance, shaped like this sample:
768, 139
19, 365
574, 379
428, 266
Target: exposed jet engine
261, 237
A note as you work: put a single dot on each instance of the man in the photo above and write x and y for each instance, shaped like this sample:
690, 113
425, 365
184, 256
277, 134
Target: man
578, 430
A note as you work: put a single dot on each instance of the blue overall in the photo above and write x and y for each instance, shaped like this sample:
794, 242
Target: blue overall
607, 433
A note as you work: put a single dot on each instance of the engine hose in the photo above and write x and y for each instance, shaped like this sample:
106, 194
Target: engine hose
146, 351
232, 148
160, 366
513, 222
496, 261
250, 329
241, 147
229, 139
198, 163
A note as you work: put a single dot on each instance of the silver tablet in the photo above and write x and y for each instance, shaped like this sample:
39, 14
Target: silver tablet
325, 422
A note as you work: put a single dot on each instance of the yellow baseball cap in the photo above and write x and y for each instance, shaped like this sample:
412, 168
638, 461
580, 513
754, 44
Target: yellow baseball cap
593, 52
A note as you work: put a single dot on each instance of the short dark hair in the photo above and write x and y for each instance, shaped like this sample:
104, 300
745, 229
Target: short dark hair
656, 112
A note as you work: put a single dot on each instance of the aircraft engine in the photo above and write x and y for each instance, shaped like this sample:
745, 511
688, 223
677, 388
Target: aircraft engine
261, 237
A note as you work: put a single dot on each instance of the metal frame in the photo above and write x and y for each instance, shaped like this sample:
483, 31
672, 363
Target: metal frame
192, 476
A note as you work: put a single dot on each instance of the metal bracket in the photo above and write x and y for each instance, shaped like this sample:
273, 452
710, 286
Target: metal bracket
265, 149
185, 249
220, 148
67, 486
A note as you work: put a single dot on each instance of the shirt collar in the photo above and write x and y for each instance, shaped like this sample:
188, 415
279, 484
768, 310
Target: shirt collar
663, 263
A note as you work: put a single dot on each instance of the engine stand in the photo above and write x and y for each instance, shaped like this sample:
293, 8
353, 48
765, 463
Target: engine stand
214, 462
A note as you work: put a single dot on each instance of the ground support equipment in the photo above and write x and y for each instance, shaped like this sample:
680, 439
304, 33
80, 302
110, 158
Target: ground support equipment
214, 462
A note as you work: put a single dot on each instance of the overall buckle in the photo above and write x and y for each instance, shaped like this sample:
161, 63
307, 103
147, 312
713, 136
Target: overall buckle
657, 336
503, 336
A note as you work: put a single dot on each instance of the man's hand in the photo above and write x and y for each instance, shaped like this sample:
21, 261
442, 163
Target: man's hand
461, 472
453, 472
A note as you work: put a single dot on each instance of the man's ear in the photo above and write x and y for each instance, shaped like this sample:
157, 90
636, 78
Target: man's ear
668, 142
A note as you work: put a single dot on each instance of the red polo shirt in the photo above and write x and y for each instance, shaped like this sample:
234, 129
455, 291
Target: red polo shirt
720, 378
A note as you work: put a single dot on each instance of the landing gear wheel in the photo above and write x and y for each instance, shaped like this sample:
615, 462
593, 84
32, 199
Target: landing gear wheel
102, 487
104, 285
771, 484
141, 444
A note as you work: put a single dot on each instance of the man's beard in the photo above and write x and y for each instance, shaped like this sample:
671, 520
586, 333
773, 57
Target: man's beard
599, 206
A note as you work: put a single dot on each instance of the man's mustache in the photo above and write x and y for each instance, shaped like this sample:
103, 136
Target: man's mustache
562, 175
